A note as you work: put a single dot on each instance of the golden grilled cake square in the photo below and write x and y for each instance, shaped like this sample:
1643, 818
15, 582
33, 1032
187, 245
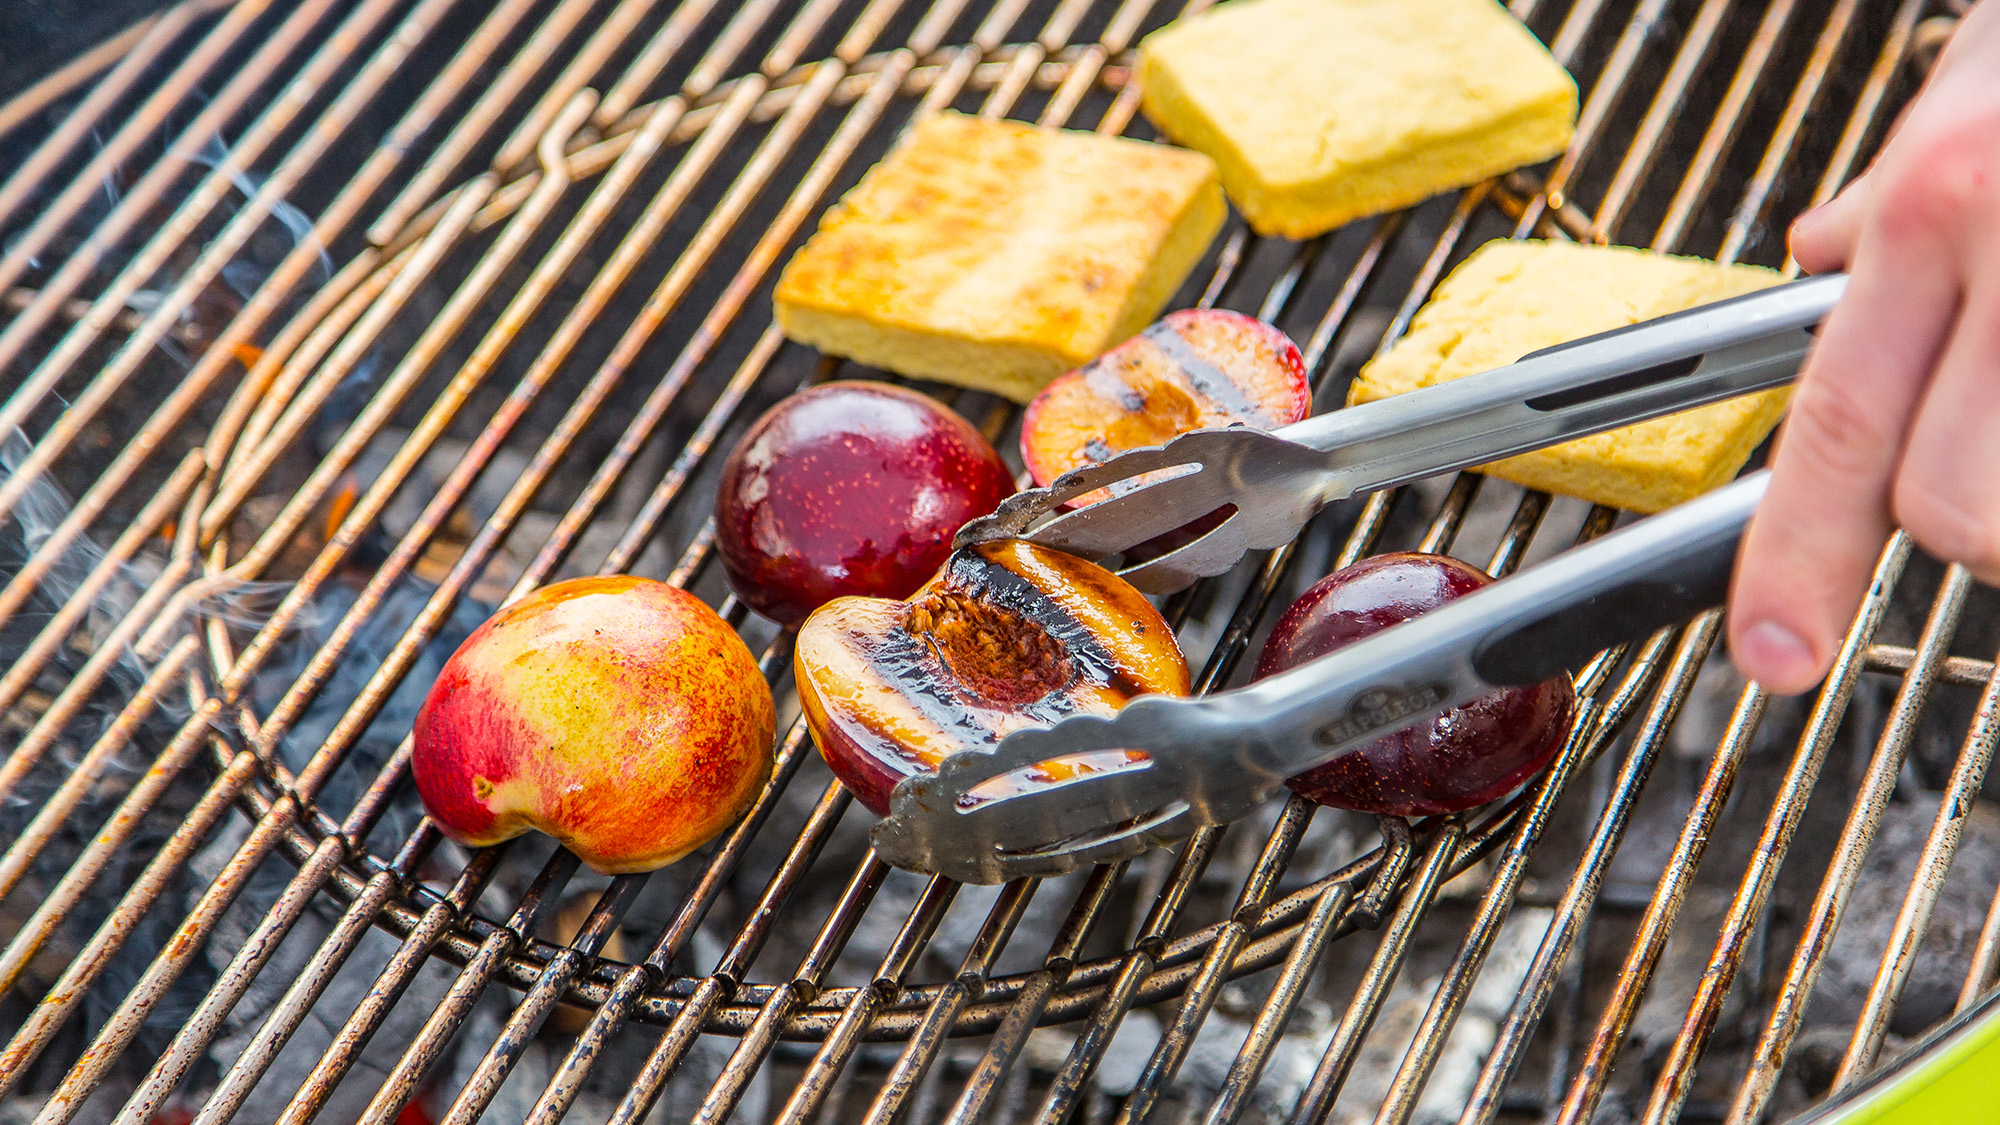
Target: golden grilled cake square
1512, 298
998, 255
1322, 111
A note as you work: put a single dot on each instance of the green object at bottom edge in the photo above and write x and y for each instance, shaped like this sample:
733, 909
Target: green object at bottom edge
1952, 1076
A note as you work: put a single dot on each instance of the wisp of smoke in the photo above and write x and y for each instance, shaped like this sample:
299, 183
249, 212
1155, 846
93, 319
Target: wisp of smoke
244, 276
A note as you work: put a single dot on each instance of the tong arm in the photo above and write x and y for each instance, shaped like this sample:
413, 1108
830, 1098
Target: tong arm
1702, 355
1517, 632
1213, 760
1276, 481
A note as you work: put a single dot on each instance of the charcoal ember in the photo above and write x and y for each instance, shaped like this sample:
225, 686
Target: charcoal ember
1297, 1052
1118, 1067
877, 929
844, 848
1938, 970
1334, 838
1949, 711
361, 659
362, 763
1492, 996
813, 896
1676, 976
1025, 952
532, 528
1468, 1043
1290, 1066
603, 1088
698, 1072
1811, 1067
146, 941
523, 1085
1704, 717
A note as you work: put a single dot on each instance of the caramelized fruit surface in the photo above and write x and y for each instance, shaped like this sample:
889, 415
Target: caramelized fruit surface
1192, 369
1007, 635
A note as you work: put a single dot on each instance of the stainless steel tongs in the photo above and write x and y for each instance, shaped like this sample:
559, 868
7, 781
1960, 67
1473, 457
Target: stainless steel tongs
988, 815
1277, 481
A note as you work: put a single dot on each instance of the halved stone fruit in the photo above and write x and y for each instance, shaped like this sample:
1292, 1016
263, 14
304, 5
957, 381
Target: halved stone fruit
1192, 369
1007, 635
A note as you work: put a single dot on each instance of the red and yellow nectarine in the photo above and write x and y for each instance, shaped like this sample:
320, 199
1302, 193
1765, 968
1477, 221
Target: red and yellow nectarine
619, 715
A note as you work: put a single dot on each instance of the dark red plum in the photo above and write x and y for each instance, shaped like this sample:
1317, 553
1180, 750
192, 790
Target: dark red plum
1464, 757
849, 488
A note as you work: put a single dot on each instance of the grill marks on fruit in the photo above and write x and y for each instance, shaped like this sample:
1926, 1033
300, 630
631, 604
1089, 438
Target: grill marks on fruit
998, 650
1194, 369
1206, 378
1006, 636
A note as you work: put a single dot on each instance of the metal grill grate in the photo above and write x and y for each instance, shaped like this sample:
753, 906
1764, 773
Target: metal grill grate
342, 321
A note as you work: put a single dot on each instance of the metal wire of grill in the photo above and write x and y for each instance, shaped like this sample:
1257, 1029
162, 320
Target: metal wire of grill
524, 300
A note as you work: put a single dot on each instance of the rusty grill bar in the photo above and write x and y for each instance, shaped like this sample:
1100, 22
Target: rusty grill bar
520, 305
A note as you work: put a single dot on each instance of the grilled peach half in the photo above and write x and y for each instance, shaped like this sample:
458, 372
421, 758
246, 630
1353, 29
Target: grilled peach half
619, 715
1192, 369
1007, 635
1466, 756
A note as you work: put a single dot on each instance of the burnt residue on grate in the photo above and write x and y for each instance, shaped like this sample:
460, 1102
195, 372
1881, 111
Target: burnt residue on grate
330, 325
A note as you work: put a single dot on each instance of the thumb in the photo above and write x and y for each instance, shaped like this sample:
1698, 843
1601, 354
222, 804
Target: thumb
1822, 239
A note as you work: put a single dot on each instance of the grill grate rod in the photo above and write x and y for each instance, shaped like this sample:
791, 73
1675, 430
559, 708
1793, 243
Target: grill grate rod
1871, 803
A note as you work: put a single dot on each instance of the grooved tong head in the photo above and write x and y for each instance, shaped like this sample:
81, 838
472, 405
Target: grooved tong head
1235, 489
1003, 812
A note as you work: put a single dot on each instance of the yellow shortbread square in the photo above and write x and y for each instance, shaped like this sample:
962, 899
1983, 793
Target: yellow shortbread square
1512, 298
1322, 111
998, 255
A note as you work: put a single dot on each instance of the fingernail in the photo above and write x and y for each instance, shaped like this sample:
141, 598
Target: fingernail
1776, 657
1808, 220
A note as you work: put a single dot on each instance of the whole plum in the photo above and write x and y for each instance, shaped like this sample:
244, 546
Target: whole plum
1464, 757
849, 488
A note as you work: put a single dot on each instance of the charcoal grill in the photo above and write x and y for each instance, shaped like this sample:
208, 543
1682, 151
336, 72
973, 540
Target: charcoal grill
330, 322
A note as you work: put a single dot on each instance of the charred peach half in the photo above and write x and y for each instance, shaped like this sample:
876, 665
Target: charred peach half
1192, 369
1007, 635
619, 715
1466, 756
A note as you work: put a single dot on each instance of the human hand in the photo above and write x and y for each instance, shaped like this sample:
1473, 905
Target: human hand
1897, 412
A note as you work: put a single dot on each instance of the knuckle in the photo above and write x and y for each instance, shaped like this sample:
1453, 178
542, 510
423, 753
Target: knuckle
1834, 430
1935, 516
1948, 173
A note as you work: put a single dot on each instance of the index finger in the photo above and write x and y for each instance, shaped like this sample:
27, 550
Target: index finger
1809, 552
